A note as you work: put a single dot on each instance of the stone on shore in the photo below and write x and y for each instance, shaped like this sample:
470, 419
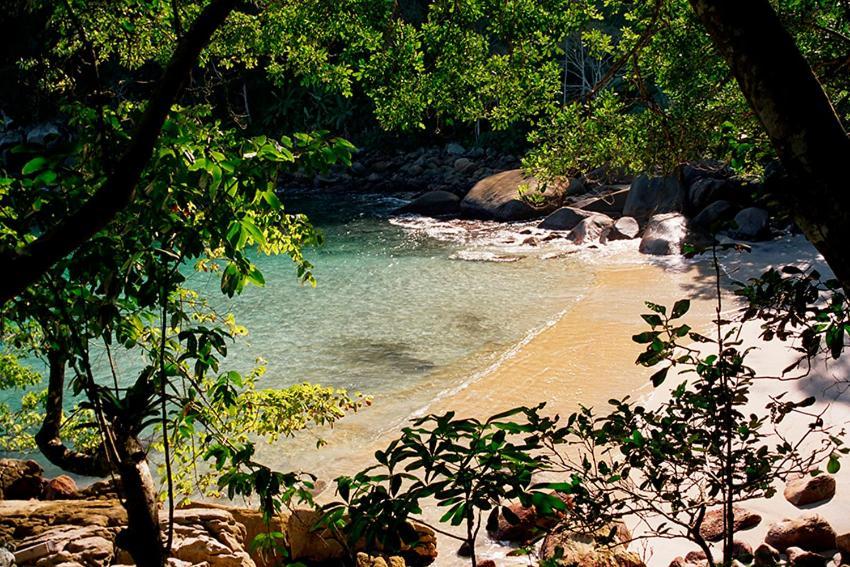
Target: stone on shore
810, 532
573, 549
594, 228
807, 489
752, 224
20, 480
664, 234
708, 218
624, 228
712, 524
798, 557
434, 204
766, 555
659, 195
565, 218
498, 197
62, 487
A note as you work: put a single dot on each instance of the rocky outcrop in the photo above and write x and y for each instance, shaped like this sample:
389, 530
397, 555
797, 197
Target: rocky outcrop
434, 204
810, 532
658, 195
664, 234
569, 548
713, 214
807, 489
365, 560
565, 218
594, 228
712, 524
511, 196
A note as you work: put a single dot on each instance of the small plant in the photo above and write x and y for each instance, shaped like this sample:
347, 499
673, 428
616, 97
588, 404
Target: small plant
468, 466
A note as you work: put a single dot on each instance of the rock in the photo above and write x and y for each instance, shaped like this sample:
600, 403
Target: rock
498, 197
694, 171
608, 200
455, 149
809, 531
648, 197
101, 490
765, 556
695, 556
528, 524
624, 228
434, 204
742, 551
565, 218
464, 550
806, 489
82, 545
842, 544
714, 213
712, 525
751, 224
664, 234
211, 535
43, 134
707, 190
20, 480
801, 558
585, 550
462, 164
486, 563
7, 558
594, 228
62, 487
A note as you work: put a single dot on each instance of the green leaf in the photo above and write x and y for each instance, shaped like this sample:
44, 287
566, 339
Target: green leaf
680, 308
34, 165
659, 377
833, 465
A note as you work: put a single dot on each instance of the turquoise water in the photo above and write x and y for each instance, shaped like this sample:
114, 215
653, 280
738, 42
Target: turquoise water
406, 309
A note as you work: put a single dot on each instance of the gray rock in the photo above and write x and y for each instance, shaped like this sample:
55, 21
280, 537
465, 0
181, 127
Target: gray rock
608, 200
434, 203
462, 164
455, 149
714, 213
752, 224
476, 152
7, 559
658, 195
565, 218
43, 134
625, 228
498, 197
664, 234
594, 228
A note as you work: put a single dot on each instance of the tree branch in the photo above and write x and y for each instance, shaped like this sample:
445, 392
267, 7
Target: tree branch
30, 263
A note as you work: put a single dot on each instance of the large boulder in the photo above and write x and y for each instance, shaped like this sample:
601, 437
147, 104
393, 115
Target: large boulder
766, 556
63, 487
709, 217
565, 218
810, 532
707, 190
594, 228
624, 228
712, 524
524, 523
68, 544
664, 234
607, 200
573, 549
798, 557
511, 196
208, 535
434, 204
658, 195
752, 224
806, 489
20, 480
22, 519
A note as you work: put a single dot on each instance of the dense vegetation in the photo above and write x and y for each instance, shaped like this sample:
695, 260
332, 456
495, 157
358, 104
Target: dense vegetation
175, 119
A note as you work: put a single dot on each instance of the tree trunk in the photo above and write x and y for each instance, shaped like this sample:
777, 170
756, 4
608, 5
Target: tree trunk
803, 127
49, 438
143, 536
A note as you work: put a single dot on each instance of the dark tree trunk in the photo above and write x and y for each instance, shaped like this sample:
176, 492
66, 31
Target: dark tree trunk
143, 536
49, 438
785, 94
